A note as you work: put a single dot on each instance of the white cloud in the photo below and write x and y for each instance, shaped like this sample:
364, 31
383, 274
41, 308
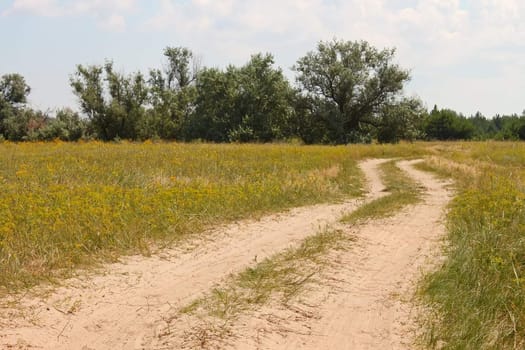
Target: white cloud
184, 15
114, 23
102, 6
48, 8
110, 14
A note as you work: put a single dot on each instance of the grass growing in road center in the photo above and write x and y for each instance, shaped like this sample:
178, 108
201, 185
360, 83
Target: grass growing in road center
402, 191
282, 277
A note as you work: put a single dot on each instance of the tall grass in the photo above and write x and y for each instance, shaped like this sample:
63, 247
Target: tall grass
478, 294
66, 205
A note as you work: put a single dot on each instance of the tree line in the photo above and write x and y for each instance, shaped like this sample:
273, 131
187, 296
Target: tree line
344, 92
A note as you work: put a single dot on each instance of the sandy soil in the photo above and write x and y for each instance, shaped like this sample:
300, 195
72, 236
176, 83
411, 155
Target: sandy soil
367, 298
125, 306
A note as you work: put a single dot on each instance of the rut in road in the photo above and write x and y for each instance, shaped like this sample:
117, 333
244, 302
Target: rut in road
124, 307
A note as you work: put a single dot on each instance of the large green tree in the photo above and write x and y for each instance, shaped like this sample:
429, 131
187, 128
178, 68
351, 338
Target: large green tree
263, 101
249, 103
446, 124
172, 95
351, 82
113, 102
509, 127
215, 107
13, 89
402, 120
483, 128
13, 97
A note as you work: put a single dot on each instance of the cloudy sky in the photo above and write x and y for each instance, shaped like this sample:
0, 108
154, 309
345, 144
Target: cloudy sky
468, 55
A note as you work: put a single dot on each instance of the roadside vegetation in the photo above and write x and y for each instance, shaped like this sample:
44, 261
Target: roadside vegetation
477, 297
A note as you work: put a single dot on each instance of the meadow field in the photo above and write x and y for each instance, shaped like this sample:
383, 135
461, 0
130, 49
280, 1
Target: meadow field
65, 206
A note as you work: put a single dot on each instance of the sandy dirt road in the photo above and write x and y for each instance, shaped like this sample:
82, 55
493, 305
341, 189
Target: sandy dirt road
366, 300
124, 307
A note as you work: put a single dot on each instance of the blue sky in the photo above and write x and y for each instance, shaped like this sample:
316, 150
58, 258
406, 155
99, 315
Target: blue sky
468, 55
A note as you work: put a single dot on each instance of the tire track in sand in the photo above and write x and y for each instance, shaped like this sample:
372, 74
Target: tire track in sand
123, 308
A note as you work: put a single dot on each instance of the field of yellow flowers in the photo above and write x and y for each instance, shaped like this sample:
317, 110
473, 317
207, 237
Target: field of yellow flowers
65, 205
